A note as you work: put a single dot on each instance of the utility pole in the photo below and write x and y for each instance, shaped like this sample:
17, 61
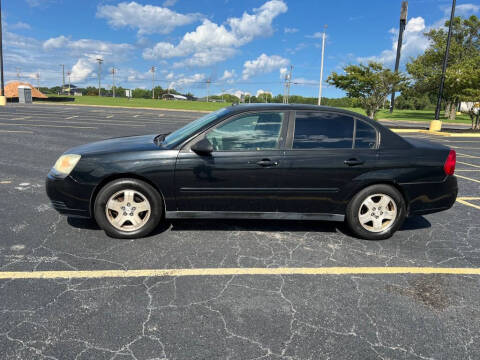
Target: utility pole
100, 61
208, 88
436, 125
18, 72
403, 24
2, 82
321, 65
69, 83
153, 81
37, 75
63, 77
113, 81
223, 93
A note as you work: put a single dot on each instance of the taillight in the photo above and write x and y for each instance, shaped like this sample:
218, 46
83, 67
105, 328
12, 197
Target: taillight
449, 166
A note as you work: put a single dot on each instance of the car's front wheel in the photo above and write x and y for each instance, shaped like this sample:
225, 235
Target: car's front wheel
128, 208
376, 212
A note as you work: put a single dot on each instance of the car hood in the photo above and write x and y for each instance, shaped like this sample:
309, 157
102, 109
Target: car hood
116, 145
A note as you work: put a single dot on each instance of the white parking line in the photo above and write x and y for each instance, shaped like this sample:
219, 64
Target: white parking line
71, 117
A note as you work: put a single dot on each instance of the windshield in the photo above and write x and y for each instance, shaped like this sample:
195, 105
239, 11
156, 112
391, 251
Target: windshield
189, 129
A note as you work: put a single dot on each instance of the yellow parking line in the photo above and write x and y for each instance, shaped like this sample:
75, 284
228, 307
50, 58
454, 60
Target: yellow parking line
5, 182
234, 271
87, 122
464, 163
467, 178
56, 126
465, 202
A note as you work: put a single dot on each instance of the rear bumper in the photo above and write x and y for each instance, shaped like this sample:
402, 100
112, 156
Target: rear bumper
432, 197
68, 197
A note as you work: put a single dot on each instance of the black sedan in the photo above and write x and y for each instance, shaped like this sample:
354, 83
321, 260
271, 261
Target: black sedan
269, 161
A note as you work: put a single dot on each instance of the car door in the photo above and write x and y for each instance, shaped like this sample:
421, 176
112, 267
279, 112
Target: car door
242, 172
326, 153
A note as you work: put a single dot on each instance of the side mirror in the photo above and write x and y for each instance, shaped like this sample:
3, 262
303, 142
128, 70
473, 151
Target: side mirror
203, 147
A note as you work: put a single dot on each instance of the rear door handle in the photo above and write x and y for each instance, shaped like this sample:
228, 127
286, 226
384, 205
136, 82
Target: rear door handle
267, 163
353, 162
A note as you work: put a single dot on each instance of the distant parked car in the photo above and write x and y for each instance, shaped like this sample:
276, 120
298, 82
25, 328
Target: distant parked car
263, 161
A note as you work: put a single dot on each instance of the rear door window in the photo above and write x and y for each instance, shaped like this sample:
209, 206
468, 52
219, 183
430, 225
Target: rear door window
365, 136
323, 130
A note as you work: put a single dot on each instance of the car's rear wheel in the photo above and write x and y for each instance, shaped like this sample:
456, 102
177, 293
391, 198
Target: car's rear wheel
128, 208
376, 212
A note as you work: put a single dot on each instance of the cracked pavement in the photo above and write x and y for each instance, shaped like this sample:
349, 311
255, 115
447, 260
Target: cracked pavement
222, 317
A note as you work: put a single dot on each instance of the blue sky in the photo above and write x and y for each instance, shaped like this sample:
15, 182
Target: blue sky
237, 45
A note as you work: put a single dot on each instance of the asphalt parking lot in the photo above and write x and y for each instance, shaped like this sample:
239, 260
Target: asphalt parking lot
223, 315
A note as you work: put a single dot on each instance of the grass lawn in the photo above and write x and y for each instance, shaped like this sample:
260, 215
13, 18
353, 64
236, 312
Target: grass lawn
400, 115
414, 115
166, 104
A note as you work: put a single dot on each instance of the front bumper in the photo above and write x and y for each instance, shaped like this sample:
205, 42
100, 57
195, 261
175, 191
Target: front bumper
69, 197
428, 198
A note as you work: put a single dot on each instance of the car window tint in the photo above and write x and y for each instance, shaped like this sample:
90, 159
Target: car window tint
259, 131
365, 136
320, 130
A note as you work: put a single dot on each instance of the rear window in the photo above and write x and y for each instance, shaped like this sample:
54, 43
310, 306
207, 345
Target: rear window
323, 130
365, 136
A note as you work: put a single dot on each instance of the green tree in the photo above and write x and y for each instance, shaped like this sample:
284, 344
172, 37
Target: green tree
462, 75
371, 84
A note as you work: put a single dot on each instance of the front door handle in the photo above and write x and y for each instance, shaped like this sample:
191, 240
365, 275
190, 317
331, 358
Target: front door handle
353, 162
267, 163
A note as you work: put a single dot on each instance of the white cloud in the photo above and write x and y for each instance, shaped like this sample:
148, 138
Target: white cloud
261, 91
211, 43
115, 52
83, 68
168, 3
20, 26
316, 35
414, 43
228, 75
183, 81
462, 10
288, 30
56, 43
148, 19
263, 64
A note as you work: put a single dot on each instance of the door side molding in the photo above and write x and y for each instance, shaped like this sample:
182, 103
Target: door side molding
252, 215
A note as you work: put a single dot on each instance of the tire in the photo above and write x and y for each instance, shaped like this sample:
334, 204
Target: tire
128, 208
376, 212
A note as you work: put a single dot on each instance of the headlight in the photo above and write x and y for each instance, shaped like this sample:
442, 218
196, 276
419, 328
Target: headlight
66, 163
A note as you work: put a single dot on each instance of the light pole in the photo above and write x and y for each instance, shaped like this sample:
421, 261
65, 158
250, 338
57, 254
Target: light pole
436, 125
208, 88
100, 61
63, 77
3, 100
321, 66
153, 81
69, 83
403, 24
113, 81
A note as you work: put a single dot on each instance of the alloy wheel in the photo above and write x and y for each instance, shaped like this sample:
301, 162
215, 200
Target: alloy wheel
128, 210
377, 213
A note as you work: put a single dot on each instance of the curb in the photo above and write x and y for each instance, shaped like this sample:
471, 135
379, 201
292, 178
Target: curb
436, 133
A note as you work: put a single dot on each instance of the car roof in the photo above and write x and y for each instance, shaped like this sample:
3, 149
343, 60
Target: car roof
287, 107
